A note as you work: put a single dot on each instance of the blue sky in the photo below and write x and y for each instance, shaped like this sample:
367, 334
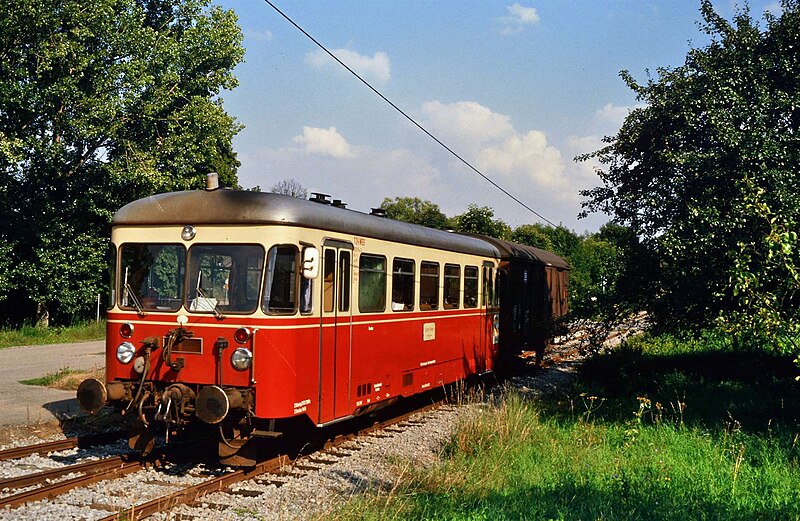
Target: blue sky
517, 88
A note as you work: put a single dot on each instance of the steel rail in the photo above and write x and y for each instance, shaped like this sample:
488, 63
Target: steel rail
87, 467
122, 468
191, 493
59, 445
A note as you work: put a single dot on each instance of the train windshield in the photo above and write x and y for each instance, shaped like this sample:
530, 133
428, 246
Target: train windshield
224, 278
151, 276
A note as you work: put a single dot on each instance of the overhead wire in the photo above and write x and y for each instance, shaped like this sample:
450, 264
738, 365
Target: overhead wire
409, 118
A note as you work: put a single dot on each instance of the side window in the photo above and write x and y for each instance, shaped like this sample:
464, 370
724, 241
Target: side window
371, 283
328, 276
470, 286
306, 295
488, 287
402, 285
428, 285
452, 286
111, 263
344, 281
281, 281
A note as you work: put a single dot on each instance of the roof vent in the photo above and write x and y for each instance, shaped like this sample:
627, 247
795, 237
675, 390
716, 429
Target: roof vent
378, 212
319, 198
212, 181
337, 203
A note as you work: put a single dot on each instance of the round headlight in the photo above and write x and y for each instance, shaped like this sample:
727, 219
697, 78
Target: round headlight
125, 352
241, 359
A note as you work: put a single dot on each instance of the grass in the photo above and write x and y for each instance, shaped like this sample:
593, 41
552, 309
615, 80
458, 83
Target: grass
31, 335
66, 379
663, 428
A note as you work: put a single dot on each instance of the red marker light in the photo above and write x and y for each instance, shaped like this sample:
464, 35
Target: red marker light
126, 330
242, 335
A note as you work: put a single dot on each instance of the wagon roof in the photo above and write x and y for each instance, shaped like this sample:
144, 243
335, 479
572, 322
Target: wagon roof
512, 250
233, 207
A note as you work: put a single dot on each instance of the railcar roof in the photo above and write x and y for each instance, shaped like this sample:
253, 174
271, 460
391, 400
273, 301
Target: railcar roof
233, 207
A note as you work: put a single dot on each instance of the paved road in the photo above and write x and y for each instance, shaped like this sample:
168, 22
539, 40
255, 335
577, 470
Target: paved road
29, 404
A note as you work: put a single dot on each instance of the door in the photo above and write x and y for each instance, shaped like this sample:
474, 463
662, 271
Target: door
335, 355
492, 321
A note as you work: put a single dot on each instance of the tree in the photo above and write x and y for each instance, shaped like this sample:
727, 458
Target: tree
290, 187
706, 174
593, 276
416, 211
535, 235
480, 220
102, 102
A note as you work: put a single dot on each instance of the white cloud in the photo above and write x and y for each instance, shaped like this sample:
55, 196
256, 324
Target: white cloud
523, 161
605, 121
467, 121
528, 158
519, 17
375, 68
609, 119
324, 142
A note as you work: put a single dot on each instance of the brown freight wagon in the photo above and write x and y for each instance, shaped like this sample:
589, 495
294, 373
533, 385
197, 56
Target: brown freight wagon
532, 287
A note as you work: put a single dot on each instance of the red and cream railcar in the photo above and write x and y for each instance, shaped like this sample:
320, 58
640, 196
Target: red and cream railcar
255, 311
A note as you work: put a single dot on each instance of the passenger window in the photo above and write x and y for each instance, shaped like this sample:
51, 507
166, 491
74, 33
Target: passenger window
402, 285
111, 262
329, 273
488, 287
344, 281
428, 285
371, 283
306, 294
470, 286
281, 281
452, 286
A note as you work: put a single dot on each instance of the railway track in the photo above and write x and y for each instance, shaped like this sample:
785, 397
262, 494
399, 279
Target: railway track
53, 490
82, 442
277, 466
47, 484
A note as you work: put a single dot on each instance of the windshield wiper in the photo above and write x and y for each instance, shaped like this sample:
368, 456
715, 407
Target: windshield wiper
132, 296
217, 313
